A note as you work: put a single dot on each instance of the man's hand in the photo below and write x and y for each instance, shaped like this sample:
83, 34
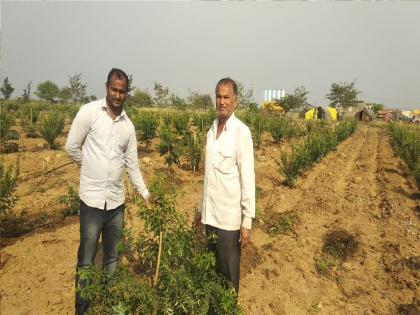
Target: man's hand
197, 221
245, 237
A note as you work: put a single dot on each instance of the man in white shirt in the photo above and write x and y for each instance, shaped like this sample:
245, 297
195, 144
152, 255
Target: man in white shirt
102, 140
228, 201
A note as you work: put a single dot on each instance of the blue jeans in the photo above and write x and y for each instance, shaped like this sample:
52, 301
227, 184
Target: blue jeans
93, 223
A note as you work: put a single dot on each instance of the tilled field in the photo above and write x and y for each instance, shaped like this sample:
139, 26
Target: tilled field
362, 189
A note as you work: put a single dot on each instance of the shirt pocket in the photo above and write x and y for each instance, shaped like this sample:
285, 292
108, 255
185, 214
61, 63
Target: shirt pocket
225, 161
120, 143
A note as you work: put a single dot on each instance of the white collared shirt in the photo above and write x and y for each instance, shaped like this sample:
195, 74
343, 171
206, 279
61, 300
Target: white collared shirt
102, 147
229, 180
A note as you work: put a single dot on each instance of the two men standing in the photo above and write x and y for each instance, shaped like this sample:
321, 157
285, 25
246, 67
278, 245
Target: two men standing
102, 141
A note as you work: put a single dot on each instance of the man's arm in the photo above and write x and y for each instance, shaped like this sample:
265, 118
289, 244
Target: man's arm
132, 164
77, 135
245, 159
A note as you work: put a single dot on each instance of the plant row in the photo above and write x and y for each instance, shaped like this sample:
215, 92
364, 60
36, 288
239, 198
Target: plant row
407, 144
317, 144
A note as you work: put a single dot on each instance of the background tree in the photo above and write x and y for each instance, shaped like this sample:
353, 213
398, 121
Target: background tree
200, 101
245, 96
130, 86
64, 94
177, 102
48, 91
140, 98
161, 94
77, 88
26, 96
7, 89
343, 94
93, 98
296, 100
376, 107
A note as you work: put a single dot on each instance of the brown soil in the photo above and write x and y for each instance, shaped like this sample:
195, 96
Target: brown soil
362, 188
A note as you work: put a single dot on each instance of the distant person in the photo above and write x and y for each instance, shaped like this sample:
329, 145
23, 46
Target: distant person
102, 140
228, 200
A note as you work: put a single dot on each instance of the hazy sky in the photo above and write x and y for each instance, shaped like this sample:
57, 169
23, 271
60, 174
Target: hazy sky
190, 45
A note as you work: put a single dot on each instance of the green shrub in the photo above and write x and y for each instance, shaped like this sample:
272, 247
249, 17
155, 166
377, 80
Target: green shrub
324, 264
6, 121
176, 272
345, 129
167, 119
257, 128
277, 126
170, 146
283, 223
181, 123
318, 143
9, 176
193, 149
202, 121
29, 114
407, 145
72, 111
146, 124
71, 201
51, 127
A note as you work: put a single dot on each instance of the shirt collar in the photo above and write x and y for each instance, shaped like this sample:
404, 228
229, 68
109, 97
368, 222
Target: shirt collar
104, 107
228, 124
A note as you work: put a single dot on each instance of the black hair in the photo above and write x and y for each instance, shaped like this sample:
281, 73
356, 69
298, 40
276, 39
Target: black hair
225, 81
117, 73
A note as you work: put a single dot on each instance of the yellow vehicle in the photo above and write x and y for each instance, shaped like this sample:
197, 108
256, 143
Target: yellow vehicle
272, 107
319, 113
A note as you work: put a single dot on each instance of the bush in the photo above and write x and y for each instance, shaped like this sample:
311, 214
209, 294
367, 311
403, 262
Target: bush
281, 223
323, 264
71, 201
170, 146
6, 121
51, 127
345, 129
407, 145
178, 274
29, 115
146, 124
9, 177
317, 144
193, 149
202, 121
278, 127
181, 123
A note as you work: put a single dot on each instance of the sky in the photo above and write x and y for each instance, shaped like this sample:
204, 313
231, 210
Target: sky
191, 45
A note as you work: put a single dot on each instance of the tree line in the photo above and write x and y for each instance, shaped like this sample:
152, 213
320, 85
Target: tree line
341, 95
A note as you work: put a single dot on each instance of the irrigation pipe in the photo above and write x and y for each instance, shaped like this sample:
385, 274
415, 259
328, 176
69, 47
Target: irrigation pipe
56, 168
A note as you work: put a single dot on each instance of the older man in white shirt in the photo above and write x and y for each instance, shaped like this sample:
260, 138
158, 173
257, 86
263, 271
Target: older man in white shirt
102, 140
228, 202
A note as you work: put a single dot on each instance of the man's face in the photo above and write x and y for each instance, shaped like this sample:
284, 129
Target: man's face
116, 92
225, 101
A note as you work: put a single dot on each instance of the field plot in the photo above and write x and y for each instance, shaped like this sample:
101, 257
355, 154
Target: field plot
343, 240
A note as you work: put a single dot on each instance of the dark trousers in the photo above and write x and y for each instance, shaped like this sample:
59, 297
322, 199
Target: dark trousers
93, 223
226, 247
